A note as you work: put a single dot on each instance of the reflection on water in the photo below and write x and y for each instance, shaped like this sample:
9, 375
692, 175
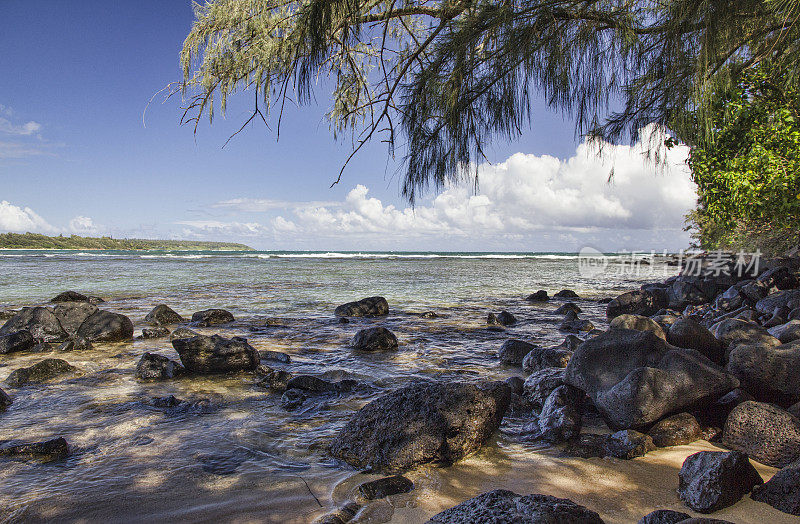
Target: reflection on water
229, 450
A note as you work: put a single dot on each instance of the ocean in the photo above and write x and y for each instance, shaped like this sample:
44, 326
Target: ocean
230, 451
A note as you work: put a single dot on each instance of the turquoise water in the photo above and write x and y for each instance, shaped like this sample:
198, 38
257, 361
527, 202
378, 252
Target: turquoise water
242, 454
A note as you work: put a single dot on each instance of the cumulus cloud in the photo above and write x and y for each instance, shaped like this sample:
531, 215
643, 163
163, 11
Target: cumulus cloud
215, 227
83, 225
17, 219
528, 202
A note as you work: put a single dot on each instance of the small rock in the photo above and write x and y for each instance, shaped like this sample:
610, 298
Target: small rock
155, 332
5, 400
712, 480
47, 369
212, 317
788, 332
564, 308
513, 352
385, 487
375, 339
292, 399
49, 450
215, 354
162, 315
75, 344
539, 296
639, 323
587, 445
366, 307
503, 506
504, 318
629, 444
676, 430
576, 326
560, 419
664, 516
277, 356
428, 314
42, 347
341, 516
782, 491
70, 296
18, 341
540, 384
157, 367
104, 326
182, 333
566, 293
310, 383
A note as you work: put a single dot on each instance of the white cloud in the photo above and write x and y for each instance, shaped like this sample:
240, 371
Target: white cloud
83, 225
17, 219
527, 203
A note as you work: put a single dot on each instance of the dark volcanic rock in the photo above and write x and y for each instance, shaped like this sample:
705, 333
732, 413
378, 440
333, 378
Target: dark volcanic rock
42, 371
539, 296
782, 491
639, 323
765, 432
568, 306
277, 356
182, 333
19, 341
70, 296
664, 516
215, 354
676, 430
49, 450
162, 315
770, 373
341, 515
75, 344
375, 339
566, 293
587, 445
426, 422
157, 367
212, 317
540, 384
635, 378
385, 487
310, 383
40, 321
560, 419
504, 318
72, 314
292, 399
788, 332
503, 506
155, 332
733, 331
638, 302
513, 352
576, 326
105, 326
366, 307
628, 444
713, 480
552, 357
689, 334
717, 413
786, 299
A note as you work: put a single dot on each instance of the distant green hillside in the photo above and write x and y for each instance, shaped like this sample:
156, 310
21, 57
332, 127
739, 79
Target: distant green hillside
34, 241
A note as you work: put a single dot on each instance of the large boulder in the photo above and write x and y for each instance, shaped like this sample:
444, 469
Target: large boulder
664, 516
70, 296
503, 506
550, 357
713, 480
105, 326
40, 321
215, 354
639, 323
627, 444
676, 430
19, 341
366, 307
212, 317
689, 292
770, 373
635, 378
639, 302
782, 491
426, 422
163, 315
375, 339
733, 331
513, 352
689, 334
42, 371
765, 432
72, 314
157, 367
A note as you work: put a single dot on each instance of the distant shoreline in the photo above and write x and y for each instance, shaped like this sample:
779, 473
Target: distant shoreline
33, 241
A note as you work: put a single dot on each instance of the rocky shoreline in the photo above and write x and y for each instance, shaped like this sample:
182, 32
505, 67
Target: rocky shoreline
711, 357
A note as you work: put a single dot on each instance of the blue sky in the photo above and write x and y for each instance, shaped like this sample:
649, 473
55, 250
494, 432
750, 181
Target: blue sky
76, 156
